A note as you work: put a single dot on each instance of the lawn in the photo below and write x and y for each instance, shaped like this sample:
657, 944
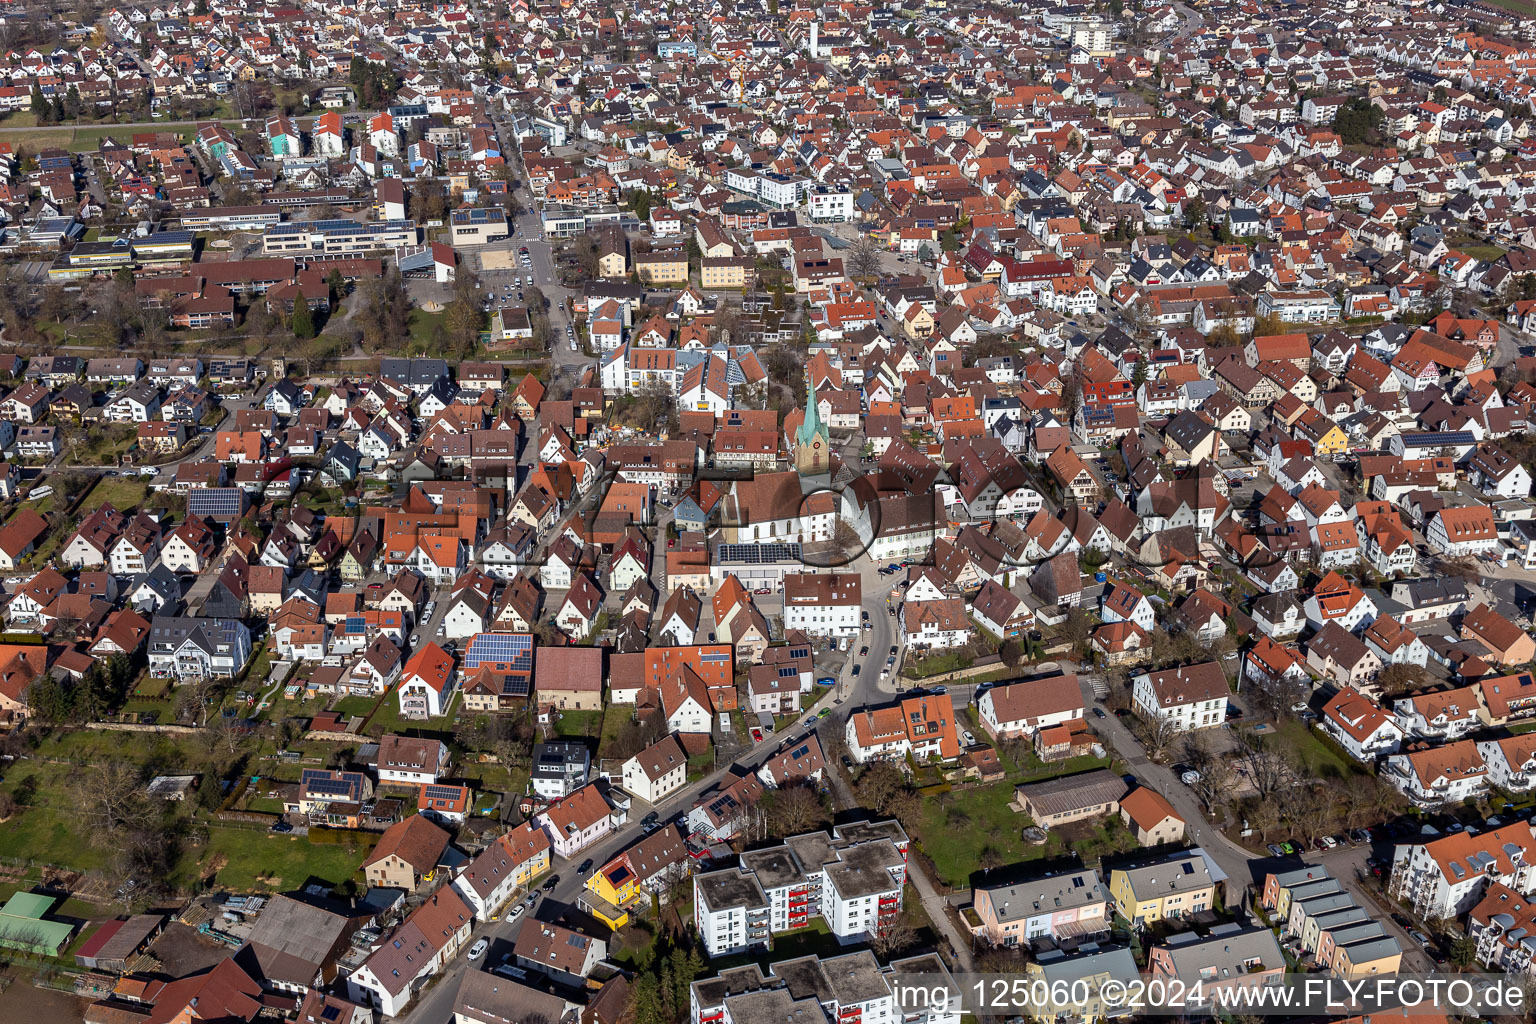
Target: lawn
1320, 759
580, 724
424, 327
49, 830
958, 827
1488, 253
258, 860
124, 493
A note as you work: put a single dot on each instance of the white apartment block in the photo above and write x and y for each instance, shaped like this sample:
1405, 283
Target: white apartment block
823, 604
852, 880
1192, 696
852, 989
1445, 877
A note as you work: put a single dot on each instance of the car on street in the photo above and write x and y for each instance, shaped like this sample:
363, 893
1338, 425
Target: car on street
893, 650
586, 866
1402, 920
939, 690
478, 949
847, 761
1098, 713
826, 681
864, 651
823, 713
1420, 938
762, 590
517, 912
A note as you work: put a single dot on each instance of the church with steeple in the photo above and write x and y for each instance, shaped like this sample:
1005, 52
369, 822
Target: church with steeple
812, 445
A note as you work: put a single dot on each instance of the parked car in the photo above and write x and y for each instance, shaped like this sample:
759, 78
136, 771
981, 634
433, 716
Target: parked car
1420, 938
517, 912
554, 880
1098, 713
281, 826
970, 738
1274, 850
478, 949
586, 866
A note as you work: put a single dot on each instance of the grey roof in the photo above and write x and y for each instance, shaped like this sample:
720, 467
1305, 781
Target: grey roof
1184, 874
487, 997
291, 940
1072, 792
730, 888
1228, 952
1045, 895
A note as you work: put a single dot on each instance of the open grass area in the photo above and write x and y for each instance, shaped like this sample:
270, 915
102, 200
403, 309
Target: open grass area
580, 724
1482, 252
124, 493
424, 327
1526, 7
49, 829
1321, 760
958, 827
243, 860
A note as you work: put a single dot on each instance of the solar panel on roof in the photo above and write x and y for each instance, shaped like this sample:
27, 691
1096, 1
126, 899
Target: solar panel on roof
494, 648
441, 792
799, 752
785, 671
214, 502
715, 658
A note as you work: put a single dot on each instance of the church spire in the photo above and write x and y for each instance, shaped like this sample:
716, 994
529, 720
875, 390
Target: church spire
811, 425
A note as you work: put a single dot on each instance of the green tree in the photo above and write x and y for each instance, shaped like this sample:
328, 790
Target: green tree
1463, 952
303, 322
1194, 213
1358, 122
1138, 374
40, 105
335, 284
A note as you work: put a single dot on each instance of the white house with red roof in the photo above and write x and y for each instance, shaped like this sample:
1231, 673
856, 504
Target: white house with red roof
1360, 726
579, 820
426, 683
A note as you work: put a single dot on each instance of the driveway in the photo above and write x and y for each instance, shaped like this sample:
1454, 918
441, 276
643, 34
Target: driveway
1231, 858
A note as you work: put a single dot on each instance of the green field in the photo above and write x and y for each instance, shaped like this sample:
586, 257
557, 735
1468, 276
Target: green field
958, 826
245, 860
124, 492
1321, 760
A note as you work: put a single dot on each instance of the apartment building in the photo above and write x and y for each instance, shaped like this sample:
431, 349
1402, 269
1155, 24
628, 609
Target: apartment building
823, 604
1191, 696
1064, 910
852, 880
1447, 875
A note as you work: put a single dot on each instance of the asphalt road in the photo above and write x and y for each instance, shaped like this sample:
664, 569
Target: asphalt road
436, 1007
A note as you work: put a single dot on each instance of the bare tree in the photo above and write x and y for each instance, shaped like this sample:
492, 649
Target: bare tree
794, 809
1161, 735
893, 938
1267, 767
863, 258
879, 785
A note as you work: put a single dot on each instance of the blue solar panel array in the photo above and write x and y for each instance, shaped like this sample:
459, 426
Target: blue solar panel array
215, 503
500, 648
